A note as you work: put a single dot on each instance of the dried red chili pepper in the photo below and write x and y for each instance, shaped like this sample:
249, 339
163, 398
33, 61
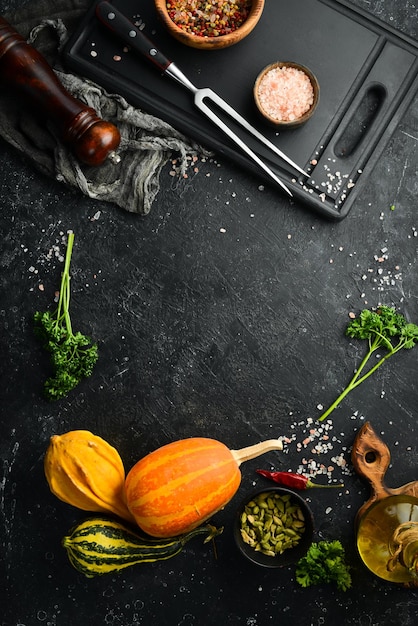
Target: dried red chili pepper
292, 480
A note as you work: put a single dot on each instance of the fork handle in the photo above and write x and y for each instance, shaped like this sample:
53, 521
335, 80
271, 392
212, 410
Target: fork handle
123, 28
25, 71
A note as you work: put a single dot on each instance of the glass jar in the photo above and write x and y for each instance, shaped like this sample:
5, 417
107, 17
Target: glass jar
387, 539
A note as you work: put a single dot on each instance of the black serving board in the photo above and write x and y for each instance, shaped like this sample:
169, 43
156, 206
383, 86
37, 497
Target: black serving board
367, 74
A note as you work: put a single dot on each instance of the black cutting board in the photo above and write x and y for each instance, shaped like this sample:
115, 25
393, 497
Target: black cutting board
368, 75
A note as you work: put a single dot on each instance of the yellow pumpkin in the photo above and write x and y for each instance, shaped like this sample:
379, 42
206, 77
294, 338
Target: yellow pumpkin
84, 470
182, 484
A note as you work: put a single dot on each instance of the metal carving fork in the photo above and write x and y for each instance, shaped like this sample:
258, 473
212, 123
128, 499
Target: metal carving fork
121, 26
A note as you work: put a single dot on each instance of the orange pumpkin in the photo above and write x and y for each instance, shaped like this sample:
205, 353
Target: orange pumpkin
182, 484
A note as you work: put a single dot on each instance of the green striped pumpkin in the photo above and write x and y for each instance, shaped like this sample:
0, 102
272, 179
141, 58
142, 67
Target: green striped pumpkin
100, 546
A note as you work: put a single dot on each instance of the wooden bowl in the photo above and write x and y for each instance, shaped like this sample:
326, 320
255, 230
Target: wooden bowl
285, 111
210, 42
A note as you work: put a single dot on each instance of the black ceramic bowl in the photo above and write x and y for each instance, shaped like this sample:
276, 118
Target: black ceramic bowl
289, 555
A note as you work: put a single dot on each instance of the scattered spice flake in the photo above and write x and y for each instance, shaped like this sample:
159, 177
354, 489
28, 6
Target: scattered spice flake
181, 169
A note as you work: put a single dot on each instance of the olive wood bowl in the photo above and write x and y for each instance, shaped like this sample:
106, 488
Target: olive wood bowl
206, 42
290, 555
303, 118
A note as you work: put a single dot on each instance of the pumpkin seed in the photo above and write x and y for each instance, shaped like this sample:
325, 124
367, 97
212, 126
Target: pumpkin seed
300, 515
246, 537
270, 552
280, 506
298, 524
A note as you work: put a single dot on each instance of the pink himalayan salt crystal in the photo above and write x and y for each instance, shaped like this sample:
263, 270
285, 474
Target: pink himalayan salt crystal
285, 93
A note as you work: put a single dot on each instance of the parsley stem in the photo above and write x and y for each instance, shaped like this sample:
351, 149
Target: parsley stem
357, 379
64, 296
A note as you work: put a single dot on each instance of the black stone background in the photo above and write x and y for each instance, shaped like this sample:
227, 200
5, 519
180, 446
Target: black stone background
221, 314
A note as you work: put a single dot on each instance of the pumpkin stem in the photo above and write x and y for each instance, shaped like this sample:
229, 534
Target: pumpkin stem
251, 452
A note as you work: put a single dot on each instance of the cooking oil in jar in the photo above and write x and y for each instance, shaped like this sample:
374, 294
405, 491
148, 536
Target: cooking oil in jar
387, 539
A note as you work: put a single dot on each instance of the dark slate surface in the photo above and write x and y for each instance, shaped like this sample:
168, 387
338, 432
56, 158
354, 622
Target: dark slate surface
341, 139
221, 314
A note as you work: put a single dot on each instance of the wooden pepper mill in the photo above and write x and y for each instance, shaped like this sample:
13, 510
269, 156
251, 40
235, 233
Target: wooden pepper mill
387, 524
25, 71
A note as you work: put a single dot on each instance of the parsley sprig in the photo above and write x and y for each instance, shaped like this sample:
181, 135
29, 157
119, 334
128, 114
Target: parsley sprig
73, 355
324, 563
383, 329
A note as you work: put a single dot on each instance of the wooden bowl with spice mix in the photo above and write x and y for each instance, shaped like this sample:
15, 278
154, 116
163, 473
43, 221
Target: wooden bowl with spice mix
274, 527
286, 94
209, 24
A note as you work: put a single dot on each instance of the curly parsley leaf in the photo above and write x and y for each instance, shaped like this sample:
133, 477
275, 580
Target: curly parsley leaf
385, 330
73, 355
324, 563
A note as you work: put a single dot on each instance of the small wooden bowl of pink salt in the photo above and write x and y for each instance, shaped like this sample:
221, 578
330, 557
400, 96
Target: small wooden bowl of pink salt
286, 94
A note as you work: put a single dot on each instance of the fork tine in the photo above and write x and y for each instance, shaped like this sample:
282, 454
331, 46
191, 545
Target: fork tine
211, 95
199, 97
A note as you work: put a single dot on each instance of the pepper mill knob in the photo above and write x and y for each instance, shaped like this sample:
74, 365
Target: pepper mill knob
24, 70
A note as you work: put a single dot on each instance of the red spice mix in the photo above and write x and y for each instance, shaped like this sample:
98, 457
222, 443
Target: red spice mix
208, 18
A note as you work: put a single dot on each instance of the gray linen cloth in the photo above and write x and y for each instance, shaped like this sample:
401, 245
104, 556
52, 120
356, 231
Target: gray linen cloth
147, 143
